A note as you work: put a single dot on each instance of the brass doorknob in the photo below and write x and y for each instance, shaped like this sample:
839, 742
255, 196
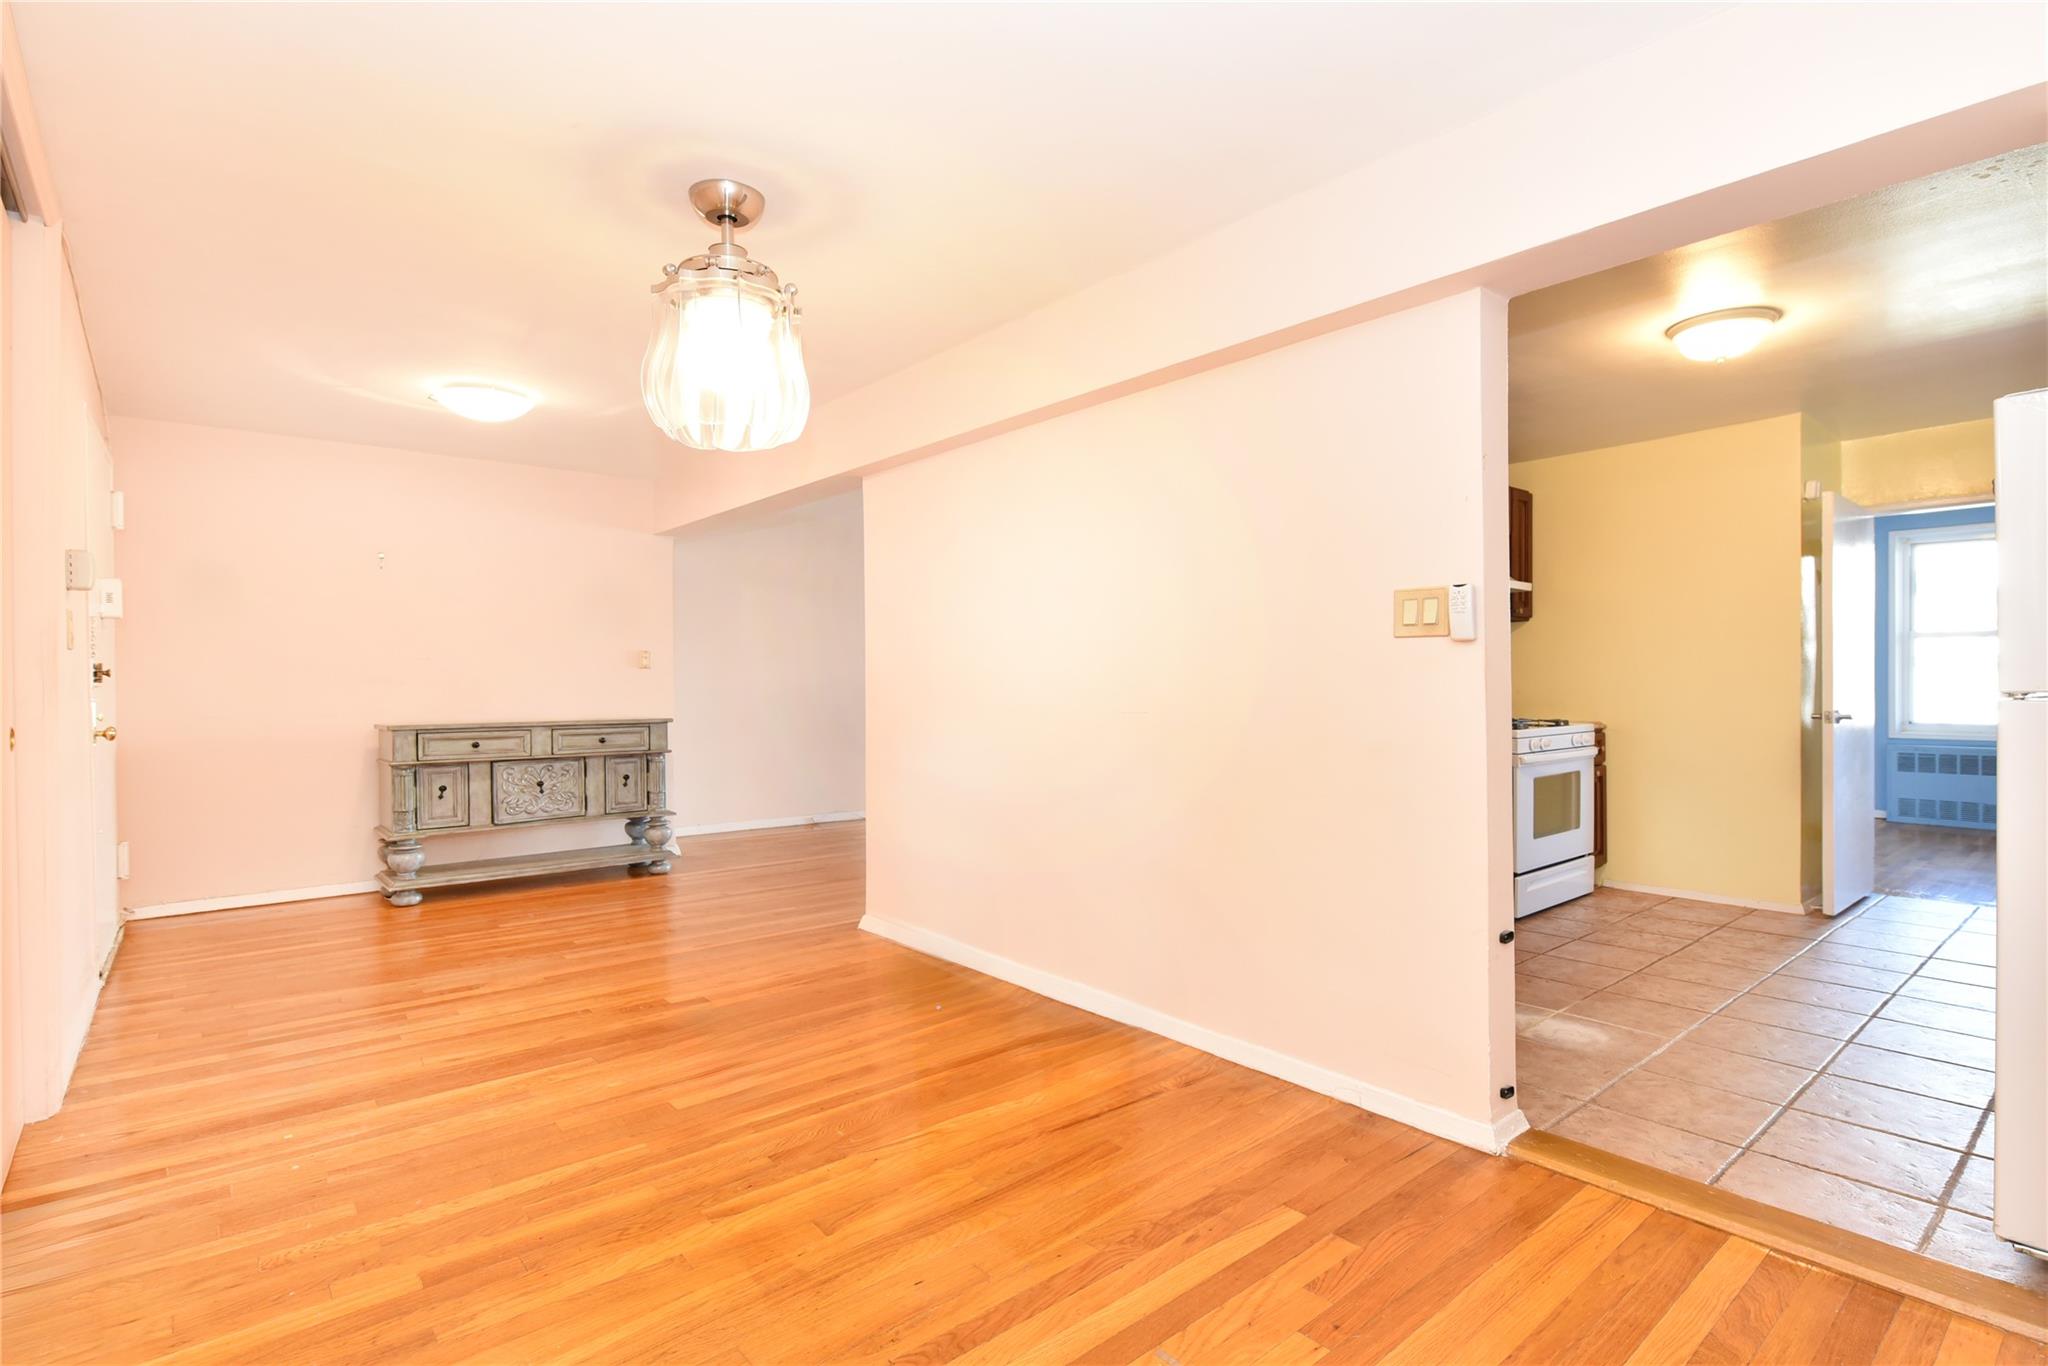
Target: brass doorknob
103, 733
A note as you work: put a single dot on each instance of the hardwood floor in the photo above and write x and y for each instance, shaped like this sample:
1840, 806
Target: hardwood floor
704, 1118
1937, 861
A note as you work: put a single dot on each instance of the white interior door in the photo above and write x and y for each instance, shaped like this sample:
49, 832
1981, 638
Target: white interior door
100, 632
1847, 692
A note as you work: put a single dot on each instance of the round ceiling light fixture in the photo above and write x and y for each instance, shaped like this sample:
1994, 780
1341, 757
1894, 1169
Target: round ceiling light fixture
1723, 335
482, 402
724, 370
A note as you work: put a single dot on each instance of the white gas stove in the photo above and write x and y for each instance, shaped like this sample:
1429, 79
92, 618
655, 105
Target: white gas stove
1553, 812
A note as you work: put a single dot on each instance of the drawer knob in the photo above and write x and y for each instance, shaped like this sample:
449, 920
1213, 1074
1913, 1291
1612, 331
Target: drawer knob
476, 744
441, 791
601, 739
625, 780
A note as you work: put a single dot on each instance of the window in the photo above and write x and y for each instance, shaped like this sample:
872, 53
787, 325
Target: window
1945, 633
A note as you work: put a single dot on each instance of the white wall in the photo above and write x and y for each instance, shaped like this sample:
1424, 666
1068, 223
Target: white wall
53, 406
1140, 736
285, 596
768, 647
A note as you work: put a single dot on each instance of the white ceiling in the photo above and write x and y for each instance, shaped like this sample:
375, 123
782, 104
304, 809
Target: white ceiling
293, 217
1911, 307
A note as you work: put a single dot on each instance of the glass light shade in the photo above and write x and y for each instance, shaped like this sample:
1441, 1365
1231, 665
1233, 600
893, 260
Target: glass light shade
1724, 335
724, 370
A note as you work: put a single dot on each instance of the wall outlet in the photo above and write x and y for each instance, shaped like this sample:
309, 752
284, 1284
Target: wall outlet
644, 660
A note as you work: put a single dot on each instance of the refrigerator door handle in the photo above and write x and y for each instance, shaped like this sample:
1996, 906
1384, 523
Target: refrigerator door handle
2026, 696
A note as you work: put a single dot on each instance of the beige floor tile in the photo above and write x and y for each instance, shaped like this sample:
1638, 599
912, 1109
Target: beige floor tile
1563, 1070
1546, 994
1904, 1072
1785, 923
1631, 936
1540, 1107
1752, 960
1973, 1193
1904, 1165
1947, 914
1903, 1113
1965, 1050
1651, 1017
1705, 912
1590, 950
1765, 1041
1898, 938
1705, 971
1705, 1110
1836, 1200
1661, 1146
1673, 991
1887, 959
1528, 1015
1529, 943
1807, 1019
1844, 974
1975, 974
1578, 972
1757, 1078
1980, 1024
1921, 987
1805, 990
1965, 1240
1670, 926
1980, 949
1617, 898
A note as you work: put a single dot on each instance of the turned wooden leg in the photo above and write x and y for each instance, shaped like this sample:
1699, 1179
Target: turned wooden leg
404, 858
659, 832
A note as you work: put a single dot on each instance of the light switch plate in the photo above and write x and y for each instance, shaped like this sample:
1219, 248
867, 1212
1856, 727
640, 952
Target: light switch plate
1422, 612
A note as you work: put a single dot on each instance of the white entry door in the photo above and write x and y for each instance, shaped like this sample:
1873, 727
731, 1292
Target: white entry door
100, 633
1847, 693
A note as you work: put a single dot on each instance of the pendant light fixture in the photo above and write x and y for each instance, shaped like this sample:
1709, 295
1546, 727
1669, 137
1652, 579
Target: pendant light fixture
724, 370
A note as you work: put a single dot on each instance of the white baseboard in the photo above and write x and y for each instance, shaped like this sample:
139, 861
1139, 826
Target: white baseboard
777, 822
236, 903
1749, 902
1473, 1133
291, 894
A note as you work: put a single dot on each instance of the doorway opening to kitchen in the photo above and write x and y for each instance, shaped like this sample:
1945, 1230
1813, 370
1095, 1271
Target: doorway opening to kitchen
1757, 581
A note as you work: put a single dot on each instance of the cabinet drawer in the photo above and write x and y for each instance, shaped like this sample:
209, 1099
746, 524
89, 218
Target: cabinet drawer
441, 796
475, 744
599, 739
542, 790
625, 784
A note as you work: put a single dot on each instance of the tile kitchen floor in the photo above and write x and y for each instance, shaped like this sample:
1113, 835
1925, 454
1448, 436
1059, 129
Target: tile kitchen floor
1837, 1068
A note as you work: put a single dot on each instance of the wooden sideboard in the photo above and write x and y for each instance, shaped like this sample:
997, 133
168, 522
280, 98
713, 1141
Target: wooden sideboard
461, 779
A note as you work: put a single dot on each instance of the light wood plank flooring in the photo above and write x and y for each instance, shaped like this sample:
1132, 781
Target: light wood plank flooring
704, 1118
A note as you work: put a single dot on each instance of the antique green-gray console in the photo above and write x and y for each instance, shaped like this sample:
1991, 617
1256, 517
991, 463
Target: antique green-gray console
454, 780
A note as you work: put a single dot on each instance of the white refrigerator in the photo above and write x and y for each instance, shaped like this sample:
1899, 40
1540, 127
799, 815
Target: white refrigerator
2020, 1173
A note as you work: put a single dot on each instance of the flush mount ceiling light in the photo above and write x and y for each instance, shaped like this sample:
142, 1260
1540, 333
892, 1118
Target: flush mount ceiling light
481, 402
724, 370
1722, 335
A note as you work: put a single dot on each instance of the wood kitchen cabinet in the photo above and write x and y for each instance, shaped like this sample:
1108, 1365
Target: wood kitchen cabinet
1599, 795
1521, 552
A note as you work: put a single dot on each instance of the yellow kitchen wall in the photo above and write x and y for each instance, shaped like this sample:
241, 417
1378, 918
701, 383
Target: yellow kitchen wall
1667, 607
1919, 466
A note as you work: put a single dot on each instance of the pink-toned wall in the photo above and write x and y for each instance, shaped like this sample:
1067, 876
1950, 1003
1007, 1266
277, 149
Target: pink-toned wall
1607, 165
768, 640
1139, 734
285, 595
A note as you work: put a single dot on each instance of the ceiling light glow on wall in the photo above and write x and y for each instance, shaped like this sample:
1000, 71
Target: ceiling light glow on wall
481, 402
724, 370
1722, 335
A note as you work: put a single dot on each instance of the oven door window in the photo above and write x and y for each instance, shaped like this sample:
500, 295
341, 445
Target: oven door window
1554, 806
